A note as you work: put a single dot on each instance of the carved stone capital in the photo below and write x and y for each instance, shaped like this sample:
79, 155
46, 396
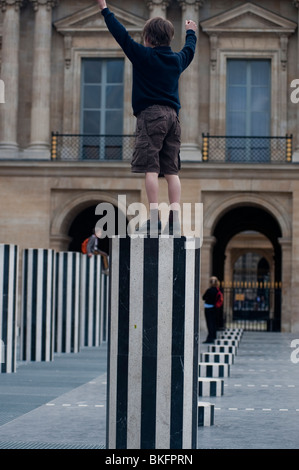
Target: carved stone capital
161, 3
49, 4
11, 3
195, 3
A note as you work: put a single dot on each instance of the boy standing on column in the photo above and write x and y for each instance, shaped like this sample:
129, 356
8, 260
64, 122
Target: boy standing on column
156, 104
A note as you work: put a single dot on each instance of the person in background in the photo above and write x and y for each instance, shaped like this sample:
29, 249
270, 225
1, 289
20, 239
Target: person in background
209, 297
93, 249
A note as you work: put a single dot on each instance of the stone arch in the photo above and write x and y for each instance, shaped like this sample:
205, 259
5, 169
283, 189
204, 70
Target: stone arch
250, 212
219, 208
66, 213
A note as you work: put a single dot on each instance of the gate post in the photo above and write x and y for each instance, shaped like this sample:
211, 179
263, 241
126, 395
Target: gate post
152, 394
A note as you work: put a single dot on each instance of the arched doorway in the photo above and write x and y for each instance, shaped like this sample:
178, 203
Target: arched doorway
83, 225
249, 220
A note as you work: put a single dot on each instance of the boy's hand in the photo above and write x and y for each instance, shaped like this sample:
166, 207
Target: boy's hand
189, 25
102, 4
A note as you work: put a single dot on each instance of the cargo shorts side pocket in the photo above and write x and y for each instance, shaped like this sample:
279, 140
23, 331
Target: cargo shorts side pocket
156, 125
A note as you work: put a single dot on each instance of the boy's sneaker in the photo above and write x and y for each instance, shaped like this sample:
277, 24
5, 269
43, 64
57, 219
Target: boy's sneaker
172, 228
149, 228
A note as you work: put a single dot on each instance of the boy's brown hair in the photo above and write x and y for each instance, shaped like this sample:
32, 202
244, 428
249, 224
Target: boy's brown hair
158, 32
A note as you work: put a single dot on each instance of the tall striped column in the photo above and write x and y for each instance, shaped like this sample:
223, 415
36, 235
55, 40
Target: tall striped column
38, 294
67, 333
90, 301
9, 260
104, 308
153, 344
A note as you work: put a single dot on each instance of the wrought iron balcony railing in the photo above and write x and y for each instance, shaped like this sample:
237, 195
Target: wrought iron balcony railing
79, 147
215, 149
233, 149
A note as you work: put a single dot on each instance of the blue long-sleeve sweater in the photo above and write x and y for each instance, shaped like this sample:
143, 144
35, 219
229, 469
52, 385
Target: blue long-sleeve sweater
156, 71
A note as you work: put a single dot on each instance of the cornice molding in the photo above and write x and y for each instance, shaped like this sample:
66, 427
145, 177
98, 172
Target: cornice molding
248, 18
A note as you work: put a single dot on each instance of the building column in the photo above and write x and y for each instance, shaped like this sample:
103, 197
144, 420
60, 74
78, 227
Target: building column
189, 89
10, 77
41, 81
296, 150
157, 7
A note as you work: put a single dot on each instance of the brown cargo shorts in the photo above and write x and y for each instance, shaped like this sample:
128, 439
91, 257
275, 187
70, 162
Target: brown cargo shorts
158, 141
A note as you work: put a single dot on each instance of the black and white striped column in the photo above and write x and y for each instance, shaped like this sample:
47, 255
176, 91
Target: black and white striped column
67, 333
153, 344
9, 261
90, 301
38, 302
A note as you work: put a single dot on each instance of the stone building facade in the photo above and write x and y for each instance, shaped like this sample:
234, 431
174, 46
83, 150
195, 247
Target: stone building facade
240, 81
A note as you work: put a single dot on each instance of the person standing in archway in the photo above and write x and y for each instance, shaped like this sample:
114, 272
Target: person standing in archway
210, 298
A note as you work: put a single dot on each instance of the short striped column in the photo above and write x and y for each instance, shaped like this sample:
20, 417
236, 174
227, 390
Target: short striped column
227, 342
206, 413
153, 344
67, 334
38, 294
208, 387
9, 261
222, 349
90, 301
224, 358
207, 369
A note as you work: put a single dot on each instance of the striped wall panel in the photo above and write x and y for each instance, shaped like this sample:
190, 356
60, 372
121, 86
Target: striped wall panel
208, 387
67, 305
225, 358
205, 414
38, 302
153, 344
9, 262
207, 369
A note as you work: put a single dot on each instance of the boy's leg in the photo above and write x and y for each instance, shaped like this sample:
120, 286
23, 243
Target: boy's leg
174, 191
153, 225
152, 189
174, 194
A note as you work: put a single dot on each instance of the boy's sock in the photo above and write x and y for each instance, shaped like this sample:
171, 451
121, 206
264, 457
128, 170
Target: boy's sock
155, 222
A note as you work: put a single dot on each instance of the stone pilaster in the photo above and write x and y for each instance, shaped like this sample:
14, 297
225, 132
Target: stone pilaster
189, 89
41, 81
10, 77
158, 7
296, 151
